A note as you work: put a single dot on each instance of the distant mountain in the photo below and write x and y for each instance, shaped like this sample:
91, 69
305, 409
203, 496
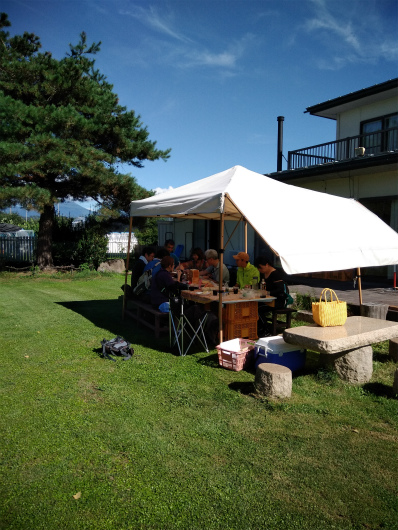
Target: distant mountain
66, 209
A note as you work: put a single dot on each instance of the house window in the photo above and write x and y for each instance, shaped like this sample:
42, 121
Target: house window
380, 134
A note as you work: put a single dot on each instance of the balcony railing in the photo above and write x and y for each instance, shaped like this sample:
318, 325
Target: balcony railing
374, 143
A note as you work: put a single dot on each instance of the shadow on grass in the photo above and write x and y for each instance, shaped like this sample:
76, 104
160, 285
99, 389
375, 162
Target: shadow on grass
380, 356
107, 314
379, 389
211, 360
243, 387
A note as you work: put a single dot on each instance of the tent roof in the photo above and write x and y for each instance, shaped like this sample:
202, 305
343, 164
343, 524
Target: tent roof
309, 230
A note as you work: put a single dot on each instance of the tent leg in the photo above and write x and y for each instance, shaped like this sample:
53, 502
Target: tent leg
245, 235
221, 257
359, 285
127, 267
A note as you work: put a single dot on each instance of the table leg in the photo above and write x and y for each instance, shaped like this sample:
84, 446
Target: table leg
354, 366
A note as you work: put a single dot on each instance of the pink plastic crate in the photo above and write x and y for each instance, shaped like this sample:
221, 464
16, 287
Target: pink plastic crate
235, 354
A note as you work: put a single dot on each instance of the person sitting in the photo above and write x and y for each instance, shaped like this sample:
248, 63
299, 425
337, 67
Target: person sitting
163, 285
154, 265
148, 253
276, 286
197, 260
169, 246
274, 281
246, 271
213, 267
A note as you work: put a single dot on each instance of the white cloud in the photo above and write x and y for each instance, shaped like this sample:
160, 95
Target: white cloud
162, 190
181, 51
151, 18
340, 27
349, 38
225, 59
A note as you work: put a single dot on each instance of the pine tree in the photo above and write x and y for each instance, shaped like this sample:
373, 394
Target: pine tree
63, 133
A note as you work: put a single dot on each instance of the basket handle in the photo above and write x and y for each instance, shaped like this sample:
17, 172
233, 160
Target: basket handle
324, 294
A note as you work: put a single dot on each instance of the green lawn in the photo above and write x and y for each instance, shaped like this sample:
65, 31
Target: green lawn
163, 442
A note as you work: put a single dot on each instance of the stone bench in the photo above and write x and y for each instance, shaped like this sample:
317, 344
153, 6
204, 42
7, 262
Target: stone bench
146, 315
347, 348
273, 380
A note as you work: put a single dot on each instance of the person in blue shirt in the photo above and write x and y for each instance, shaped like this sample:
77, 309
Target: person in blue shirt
169, 246
154, 265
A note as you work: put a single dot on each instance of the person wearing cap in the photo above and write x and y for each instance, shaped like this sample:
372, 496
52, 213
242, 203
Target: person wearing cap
246, 271
213, 267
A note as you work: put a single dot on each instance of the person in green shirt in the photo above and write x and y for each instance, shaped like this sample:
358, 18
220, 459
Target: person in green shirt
246, 271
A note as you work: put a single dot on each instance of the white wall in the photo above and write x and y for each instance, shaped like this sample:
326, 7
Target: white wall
349, 123
359, 186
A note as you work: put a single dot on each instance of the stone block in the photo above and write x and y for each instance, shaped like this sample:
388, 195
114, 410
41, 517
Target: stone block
373, 310
273, 380
393, 349
112, 265
354, 366
304, 316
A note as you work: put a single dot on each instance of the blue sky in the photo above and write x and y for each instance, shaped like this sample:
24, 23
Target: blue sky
209, 78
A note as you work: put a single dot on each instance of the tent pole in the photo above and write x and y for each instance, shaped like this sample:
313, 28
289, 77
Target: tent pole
221, 266
127, 266
359, 285
245, 235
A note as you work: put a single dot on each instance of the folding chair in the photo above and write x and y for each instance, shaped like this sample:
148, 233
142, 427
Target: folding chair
180, 325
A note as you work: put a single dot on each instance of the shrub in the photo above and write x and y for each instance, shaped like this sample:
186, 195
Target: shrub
85, 244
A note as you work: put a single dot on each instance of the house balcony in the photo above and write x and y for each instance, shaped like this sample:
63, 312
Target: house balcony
363, 145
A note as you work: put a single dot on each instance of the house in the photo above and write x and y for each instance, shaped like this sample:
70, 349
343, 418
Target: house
362, 162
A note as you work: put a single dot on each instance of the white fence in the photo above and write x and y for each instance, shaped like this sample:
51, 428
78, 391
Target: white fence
118, 243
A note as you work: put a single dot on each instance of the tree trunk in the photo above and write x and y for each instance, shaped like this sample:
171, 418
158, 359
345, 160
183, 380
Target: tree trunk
45, 237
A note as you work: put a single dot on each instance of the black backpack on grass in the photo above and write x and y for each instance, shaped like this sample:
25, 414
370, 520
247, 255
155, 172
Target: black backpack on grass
117, 346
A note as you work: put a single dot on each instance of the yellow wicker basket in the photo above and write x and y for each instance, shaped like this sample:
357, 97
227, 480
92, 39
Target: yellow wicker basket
329, 313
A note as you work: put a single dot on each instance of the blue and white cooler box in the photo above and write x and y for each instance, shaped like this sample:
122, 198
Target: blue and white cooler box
276, 350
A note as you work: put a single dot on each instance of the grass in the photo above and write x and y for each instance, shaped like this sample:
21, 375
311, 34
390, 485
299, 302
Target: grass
163, 442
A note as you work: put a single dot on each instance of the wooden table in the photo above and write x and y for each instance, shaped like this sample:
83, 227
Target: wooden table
227, 298
238, 320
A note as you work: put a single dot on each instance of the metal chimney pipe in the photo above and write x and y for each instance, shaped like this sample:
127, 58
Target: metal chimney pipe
280, 119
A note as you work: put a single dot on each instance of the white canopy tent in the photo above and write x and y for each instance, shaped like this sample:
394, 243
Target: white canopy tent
333, 233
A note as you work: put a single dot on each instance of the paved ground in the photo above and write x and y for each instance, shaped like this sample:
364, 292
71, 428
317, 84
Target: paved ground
372, 292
